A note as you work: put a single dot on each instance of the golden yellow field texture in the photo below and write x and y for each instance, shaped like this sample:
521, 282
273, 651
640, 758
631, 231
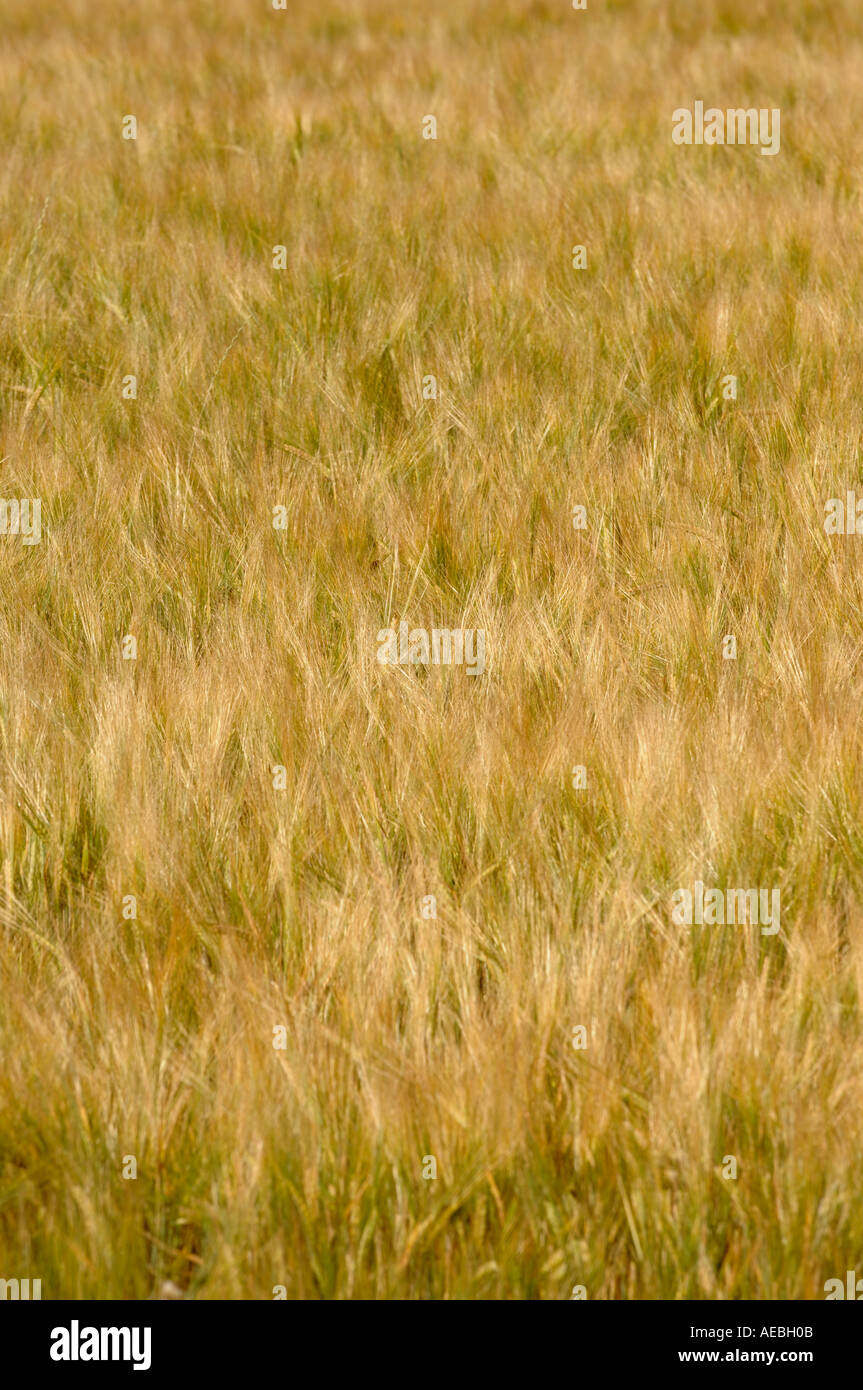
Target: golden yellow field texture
335, 977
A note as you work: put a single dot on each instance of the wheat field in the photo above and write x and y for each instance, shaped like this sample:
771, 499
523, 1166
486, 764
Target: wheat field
329, 978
